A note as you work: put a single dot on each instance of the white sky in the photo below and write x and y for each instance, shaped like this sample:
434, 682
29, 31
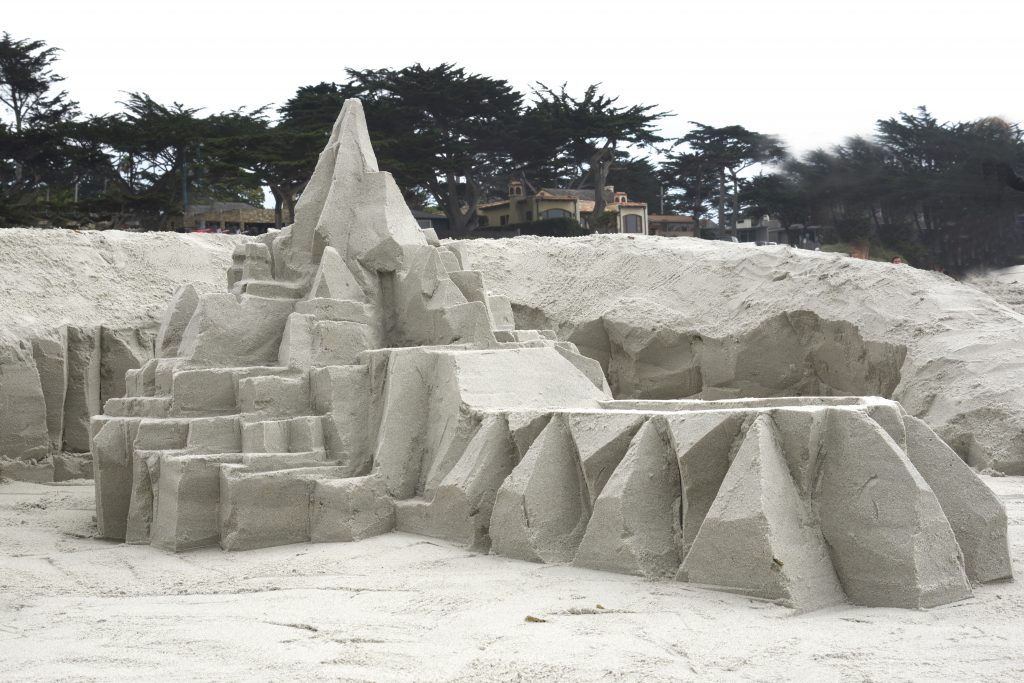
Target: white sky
812, 72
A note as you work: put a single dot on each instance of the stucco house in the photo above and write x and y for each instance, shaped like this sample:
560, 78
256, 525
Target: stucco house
522, 207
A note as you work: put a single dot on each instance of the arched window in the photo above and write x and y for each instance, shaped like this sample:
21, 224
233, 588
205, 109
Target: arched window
632, 223
555, 213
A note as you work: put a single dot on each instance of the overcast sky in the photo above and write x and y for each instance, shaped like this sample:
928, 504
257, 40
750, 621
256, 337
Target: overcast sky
812, 72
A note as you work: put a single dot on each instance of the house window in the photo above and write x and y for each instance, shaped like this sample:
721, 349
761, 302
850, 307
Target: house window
529, 216
555, 213
504, 220
632, 223
482, 221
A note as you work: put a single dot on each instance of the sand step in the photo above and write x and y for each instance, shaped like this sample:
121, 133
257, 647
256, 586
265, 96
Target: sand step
267, 508
142, 381
175, 501
186, 505
291, 435
272, 289
213, 434
266, 462
336, 309
213, 391
272, 396
310, 341
138, 406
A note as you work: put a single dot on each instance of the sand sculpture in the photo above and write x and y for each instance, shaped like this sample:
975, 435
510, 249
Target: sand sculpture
357, 380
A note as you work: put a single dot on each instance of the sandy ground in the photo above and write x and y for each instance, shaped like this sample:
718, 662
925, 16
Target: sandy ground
402, 607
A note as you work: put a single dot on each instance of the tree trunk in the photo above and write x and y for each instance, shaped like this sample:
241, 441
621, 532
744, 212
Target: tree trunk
461, 220
278, 202
698, 203
289, 202
721, 197
735, 199
288, 194
600, 166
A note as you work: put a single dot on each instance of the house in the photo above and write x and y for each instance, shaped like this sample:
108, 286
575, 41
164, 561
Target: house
621, 214
438, 222
768, 229
765, 229
228, 216
667, 225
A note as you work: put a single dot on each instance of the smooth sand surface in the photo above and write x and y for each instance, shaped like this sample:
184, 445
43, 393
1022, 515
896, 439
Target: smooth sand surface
403, 608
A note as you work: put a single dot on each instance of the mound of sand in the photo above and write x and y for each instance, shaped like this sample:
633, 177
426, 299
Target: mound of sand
50, 278
671, 318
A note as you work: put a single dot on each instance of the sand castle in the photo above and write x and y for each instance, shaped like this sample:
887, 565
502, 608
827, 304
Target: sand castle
356, 379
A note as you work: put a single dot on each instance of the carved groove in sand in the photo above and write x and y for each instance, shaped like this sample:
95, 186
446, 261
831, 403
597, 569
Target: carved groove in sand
357, 380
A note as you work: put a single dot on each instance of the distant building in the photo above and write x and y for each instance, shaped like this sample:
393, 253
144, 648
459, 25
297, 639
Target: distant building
666, 225
768, 229
520, 207
436, 221
226, 216
764, 229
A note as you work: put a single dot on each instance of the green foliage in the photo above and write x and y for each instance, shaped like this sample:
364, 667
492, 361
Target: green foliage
777, 195
690, 179
37, 127
714, 161
920, 187
164, 157
604, 221
639, 179
27, 85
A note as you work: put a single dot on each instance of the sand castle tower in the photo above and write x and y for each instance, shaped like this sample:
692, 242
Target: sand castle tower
357, 378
